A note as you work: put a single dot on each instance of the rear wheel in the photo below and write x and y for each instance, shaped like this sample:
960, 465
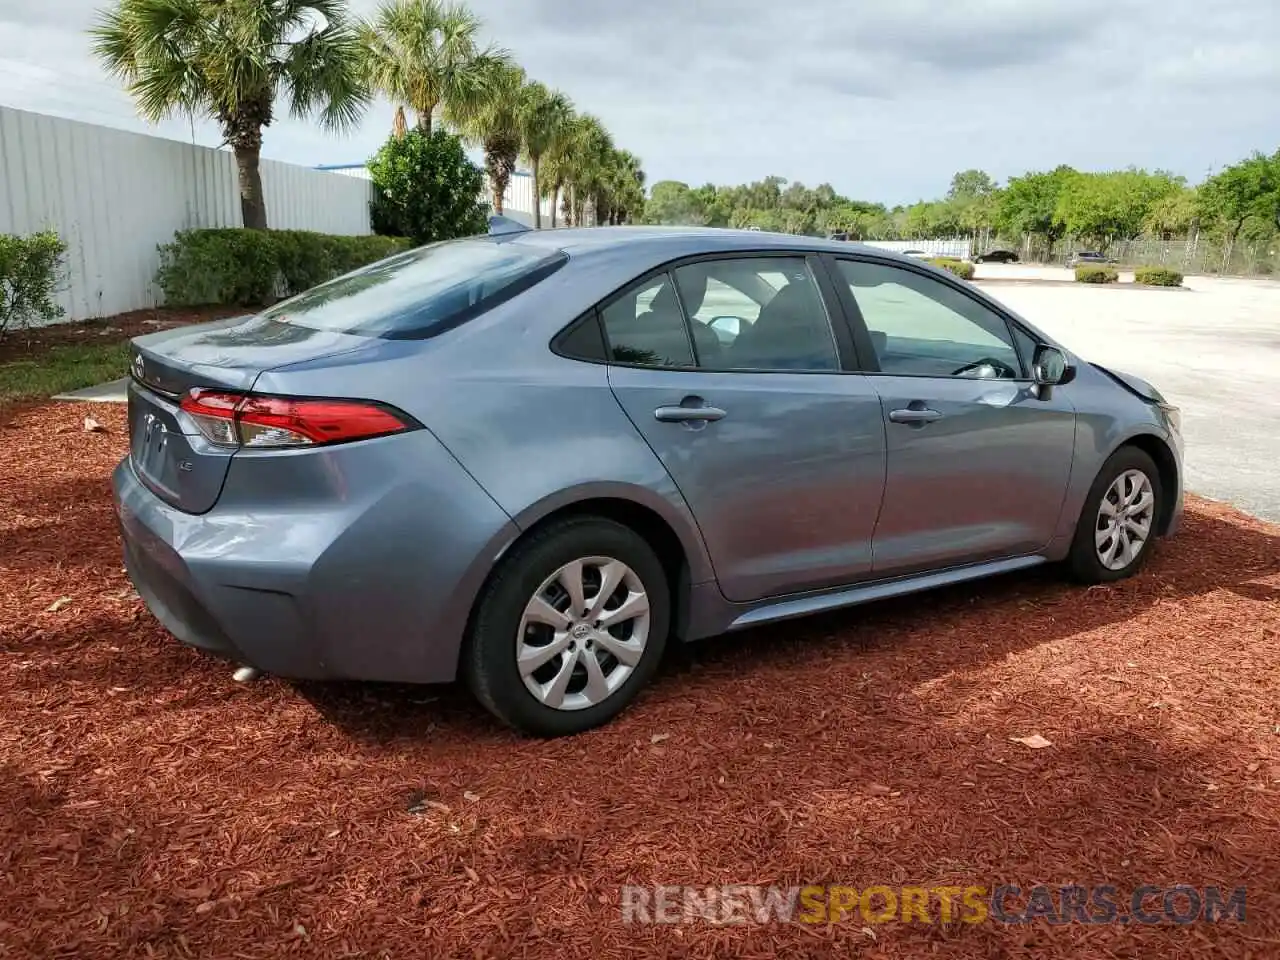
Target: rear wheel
569, 628
1117, 526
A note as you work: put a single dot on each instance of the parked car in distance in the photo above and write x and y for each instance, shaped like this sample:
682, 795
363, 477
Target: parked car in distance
1081, 257
532, 459
917, 254
997, 256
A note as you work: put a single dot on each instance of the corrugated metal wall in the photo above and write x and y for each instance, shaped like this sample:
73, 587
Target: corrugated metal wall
517, 202
113, 196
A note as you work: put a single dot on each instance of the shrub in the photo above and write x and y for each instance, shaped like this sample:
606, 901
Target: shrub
961, 268
238, 267
1093, 273
426, 188
1157, 277
30, 274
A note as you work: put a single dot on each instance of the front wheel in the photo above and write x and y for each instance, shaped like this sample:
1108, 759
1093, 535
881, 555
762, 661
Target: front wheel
1117, 525
570, 627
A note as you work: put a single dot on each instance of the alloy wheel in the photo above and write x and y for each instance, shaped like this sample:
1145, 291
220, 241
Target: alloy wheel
1124, 521
582, 633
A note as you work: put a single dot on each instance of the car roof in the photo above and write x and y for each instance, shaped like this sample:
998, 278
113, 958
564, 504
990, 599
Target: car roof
674, 242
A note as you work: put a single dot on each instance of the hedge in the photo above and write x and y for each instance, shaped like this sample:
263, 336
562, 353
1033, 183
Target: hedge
961, 268
30, 274
1092, 273
238, 267
1157, 277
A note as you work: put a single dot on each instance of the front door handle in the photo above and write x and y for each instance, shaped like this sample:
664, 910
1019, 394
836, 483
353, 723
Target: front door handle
909, 415
690, 410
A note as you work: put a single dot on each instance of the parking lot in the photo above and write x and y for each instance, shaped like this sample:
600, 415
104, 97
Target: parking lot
1212, 348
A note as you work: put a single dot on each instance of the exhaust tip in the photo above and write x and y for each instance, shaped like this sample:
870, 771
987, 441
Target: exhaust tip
246, 675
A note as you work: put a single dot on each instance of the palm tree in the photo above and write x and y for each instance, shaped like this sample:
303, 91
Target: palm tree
492, 121
543, 115
582, 163
425, 53
231, 60
557, 162
623, 187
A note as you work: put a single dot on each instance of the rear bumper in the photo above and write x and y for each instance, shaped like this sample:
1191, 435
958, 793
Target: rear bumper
374, 583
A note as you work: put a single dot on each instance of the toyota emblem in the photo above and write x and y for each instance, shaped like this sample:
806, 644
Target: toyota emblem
139, 368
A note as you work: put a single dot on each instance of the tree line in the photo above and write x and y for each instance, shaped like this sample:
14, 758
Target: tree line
240, 61
1239, 204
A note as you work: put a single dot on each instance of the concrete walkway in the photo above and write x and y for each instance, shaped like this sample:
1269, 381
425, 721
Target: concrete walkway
114, 392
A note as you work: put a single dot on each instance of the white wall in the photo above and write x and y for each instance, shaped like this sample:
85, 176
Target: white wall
517, 202
113, 196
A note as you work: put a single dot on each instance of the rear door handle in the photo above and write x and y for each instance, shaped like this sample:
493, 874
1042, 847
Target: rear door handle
908, 415
690, 410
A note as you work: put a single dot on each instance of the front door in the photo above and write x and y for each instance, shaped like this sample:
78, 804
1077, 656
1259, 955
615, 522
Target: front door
736, 383
978, 456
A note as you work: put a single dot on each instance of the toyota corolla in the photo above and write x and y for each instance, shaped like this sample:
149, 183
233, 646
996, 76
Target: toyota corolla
531, 460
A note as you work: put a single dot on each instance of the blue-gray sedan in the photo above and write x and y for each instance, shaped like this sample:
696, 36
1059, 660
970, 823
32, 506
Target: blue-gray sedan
531, 459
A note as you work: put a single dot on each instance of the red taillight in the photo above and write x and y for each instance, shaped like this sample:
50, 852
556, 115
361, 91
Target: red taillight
246, 420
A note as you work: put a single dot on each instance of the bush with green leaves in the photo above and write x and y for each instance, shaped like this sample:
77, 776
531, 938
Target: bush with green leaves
30, 274
961, 268
426, 188
238, 267
1093, 273
1157, 277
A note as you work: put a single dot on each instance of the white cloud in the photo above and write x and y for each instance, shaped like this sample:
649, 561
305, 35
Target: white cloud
885, 99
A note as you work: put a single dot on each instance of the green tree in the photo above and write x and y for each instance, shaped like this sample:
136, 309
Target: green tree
232, 60
1171, 215
585, 165
426, 189
1028, 205
493, 122
1107, 206
427, 55
673, 203
620, 197
971, 185
543, 115
1250, 188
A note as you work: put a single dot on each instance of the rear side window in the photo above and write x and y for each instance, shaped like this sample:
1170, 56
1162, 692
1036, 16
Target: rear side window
422, 292
646, 326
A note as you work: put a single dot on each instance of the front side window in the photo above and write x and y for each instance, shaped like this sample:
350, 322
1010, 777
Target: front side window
923, 327
422, 291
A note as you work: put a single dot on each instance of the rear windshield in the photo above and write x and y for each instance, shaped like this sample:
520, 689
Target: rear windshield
422, 292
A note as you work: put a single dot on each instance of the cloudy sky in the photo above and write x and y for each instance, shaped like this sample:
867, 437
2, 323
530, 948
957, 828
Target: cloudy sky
885, 99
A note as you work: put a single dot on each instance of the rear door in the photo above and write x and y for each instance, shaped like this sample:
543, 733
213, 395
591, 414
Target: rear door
732, 370
978, 458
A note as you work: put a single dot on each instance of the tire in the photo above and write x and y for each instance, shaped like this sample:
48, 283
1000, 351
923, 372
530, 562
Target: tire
1090, 545
539, 567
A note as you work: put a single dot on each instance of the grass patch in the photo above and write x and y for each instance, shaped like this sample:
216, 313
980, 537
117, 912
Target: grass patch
62, 368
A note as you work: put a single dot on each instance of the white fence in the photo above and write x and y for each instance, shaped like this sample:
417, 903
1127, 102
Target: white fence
935, 248
517, 202
113, 196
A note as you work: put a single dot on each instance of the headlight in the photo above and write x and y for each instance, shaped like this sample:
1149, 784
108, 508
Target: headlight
1173, 415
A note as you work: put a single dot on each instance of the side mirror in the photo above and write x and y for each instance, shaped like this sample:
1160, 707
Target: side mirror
726, 326
1050, 367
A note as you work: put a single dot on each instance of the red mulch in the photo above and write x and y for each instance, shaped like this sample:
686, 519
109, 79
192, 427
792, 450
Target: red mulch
151, 807
22, 344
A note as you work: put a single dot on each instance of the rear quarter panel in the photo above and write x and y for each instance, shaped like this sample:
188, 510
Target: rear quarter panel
537, 431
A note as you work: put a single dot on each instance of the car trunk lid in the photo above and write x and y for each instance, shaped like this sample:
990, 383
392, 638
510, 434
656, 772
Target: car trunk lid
167, 450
